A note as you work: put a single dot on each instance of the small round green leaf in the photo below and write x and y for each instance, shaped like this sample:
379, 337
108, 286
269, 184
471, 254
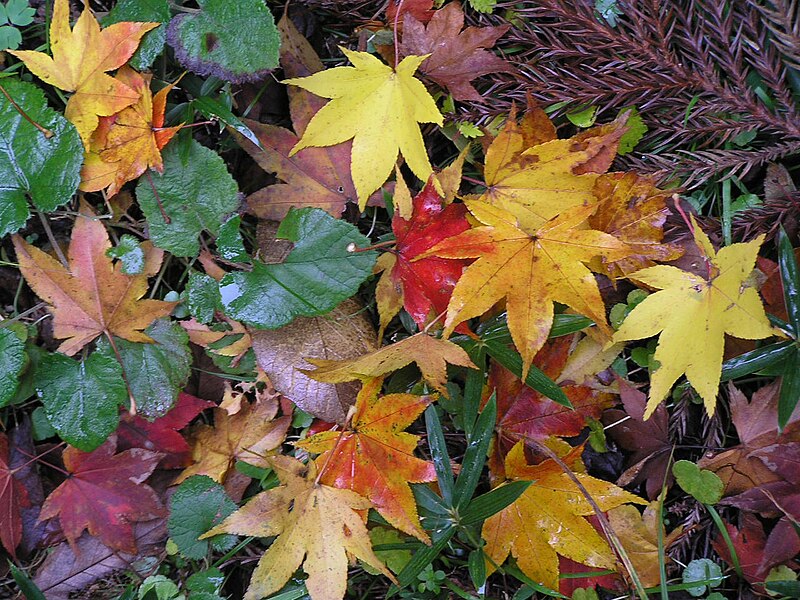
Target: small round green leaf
235, 41
46, 170
195, 191
704, 486
202, 292
316, 275
82, 398
155, 372
230, 246
705, 572
143, 11
12, 363
197, 505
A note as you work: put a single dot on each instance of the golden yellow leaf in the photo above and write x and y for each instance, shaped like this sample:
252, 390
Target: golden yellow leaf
81, 60
430, 354
317, 526
530, 270
693, 314
379, 108
548, 519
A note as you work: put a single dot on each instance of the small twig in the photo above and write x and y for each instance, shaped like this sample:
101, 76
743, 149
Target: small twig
113, 344
46, 132
35, 458
164, 215
353, 248
51, 238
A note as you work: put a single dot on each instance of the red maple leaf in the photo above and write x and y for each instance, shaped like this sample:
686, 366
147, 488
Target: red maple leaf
423, 287
161, 435
421, 10
13, 497
105, 493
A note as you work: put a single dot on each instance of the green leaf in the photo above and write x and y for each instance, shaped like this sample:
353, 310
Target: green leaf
202, 292
82, 398
196, 192
317, 275
790, 389
25, 584
12, 362
10, 38
209, 581
129, 253
756, 360
46, 170
583, 117
635, 124
158, 587
230, 246
143, 11
197, 505
214, 109
395, 559
157, 372
704, 572
704, 486
235, 41
439, 454
790, 278
422, 559
484, 6
476, 565
19, 13
40, 425
790, 589
491, 503
475, 456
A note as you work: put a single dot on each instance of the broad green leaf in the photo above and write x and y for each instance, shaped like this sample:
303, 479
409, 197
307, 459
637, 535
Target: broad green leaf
318, 274
12, 363
33, 166
19, 13
230, 246
10, 37
422, 559
206, 582
144, 11
82, 398
704, 572
197, 505
704, 486
636, 129
155, 372
236, 41
129, 253
202, 292
484, 6
196, 192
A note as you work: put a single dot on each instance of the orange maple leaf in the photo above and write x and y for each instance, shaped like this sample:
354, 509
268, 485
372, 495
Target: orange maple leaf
530, 270
81, 60
126, 144
93, 296
374, 457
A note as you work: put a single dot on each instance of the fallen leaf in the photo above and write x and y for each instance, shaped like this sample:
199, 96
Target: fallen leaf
93, 296
632, 209
456, 57
374, 456
105, 494
638, 534
207, 338
548, 519
344, 333
317, 526
379, 108
431, 355
423, 287
530, 270
13, 498
81, 58
250, 435
161, 435
129, 142
538, 182
720, 302
421, 10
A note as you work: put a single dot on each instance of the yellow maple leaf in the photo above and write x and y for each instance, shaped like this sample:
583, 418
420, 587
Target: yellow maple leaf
693, 313
548, 519
317, 525
430, 354
379, 108
530, 270
81, 59
93, 296
126, 144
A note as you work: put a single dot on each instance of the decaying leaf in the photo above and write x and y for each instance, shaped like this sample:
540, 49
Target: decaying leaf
105, 494
13, 498
374, 456
343, 334
81, 59
429, 353
317, 526
456, 57
531, 270
548, 519
379, 108
94, 296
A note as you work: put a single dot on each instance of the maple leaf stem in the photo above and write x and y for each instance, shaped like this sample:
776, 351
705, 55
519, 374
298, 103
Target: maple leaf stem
113, 344
438, 317
37, 457
164, 215
330, 456
601, 517
396, 44
51, 238
354, 248
46, 132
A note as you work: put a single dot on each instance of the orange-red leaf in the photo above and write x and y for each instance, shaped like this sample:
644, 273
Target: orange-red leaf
13, 498
374, 456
